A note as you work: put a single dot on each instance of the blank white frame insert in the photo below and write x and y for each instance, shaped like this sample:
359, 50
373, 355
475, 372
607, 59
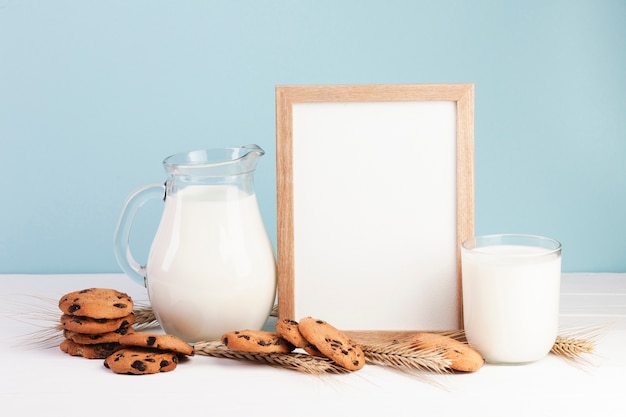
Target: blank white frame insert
375, 194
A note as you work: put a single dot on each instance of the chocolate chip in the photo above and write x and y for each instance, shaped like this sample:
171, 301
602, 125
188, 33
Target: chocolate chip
139, 365
122, 330
151, 340
73, 308
120, 305
164, 363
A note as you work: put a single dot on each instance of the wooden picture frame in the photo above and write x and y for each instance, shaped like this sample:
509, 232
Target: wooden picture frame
375, 194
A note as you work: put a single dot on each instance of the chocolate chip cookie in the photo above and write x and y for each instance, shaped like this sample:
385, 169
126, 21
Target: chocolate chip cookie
88, 351
90, 339
164, 342
259, 341
138, 361
88, 325
100, 303
461, 355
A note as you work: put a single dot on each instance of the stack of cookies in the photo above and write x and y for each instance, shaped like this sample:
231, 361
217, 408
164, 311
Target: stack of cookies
97, 324
94, 320
314, 336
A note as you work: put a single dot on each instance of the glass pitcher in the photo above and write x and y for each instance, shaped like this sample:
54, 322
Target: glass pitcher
211, 267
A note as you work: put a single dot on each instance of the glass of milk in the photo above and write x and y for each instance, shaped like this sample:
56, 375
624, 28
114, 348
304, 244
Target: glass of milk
511, 287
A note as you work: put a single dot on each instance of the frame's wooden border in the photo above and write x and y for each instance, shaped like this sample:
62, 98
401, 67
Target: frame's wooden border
287, 96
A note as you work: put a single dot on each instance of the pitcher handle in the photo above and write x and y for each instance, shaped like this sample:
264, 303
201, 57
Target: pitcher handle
121, 242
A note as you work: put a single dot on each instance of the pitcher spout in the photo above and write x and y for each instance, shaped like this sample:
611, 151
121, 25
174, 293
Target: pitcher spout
250, 157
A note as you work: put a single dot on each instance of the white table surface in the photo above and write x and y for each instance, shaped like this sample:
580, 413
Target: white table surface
46, 381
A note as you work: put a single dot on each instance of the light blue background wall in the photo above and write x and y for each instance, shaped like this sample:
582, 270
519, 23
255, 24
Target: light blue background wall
94, 94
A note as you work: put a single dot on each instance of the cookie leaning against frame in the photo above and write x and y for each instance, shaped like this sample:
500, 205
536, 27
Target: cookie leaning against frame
97, 303
288, 330
332, 343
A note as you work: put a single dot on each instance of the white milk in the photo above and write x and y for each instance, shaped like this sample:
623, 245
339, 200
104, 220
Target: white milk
211, 267
511, 302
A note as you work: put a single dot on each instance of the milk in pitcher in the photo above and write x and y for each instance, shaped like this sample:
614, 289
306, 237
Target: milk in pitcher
211, 255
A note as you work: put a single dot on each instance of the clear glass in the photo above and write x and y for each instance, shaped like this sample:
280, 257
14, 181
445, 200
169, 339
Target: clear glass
511, 286
211, 266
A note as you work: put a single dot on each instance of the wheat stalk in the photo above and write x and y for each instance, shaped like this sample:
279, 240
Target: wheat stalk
302, 362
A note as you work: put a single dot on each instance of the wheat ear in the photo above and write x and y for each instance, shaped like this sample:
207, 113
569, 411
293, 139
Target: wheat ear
406, 356
577, 344
571, 348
